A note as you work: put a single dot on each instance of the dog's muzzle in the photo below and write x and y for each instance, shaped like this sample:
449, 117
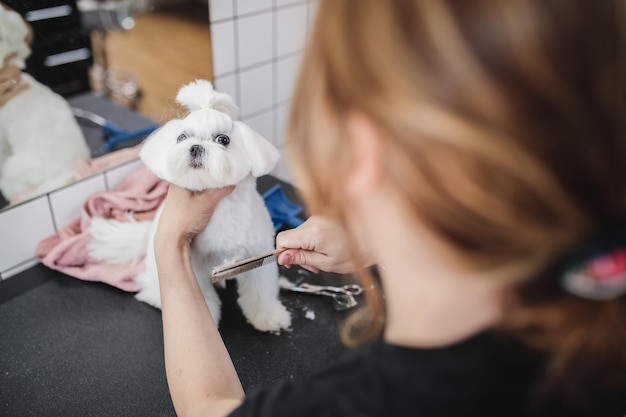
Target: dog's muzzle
196, 152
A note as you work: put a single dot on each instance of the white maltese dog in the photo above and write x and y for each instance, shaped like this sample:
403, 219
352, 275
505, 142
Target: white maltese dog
40, 140
208, 149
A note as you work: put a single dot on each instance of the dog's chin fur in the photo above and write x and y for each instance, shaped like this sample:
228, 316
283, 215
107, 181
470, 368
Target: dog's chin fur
240, 226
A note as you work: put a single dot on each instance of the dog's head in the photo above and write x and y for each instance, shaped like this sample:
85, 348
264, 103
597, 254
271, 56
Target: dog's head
207, 148
13, 32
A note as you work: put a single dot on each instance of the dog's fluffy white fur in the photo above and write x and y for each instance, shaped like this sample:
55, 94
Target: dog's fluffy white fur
208, 149
40, 141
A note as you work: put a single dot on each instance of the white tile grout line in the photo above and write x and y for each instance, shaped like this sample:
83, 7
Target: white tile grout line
258, 12
260, 64
275, 59
23, 265
274, 70
236, 44
54, 222
106, 181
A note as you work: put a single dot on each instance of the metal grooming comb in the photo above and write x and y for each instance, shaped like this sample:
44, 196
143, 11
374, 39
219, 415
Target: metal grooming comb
229, 271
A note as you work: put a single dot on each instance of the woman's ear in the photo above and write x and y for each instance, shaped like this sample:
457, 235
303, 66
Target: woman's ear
367, 170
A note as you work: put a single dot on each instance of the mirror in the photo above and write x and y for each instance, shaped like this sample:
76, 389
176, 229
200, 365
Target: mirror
117, 64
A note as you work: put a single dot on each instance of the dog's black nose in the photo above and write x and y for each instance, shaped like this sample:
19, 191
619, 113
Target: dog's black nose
196, 151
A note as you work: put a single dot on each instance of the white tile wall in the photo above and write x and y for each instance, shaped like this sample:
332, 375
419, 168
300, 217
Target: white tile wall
228, 84
291, 27
256, 89
251, 6
23, 226
223, 47
255, 39
287, 72
282, 114
221, 9
65, 202
258, 64
287, 2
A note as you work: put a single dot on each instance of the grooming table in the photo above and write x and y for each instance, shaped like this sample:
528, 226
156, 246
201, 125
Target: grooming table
75, 348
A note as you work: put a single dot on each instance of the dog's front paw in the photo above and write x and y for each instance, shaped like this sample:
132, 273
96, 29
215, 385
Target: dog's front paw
149, 296
271, 317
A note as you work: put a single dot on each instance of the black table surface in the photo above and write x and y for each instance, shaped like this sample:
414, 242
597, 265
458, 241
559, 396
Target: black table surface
75, 348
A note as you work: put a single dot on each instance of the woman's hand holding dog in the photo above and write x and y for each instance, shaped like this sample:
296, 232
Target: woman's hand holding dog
200, 374
319, 244
185, 214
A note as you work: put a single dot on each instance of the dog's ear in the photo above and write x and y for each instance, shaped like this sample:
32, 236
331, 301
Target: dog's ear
155, 148
12, 38
200, 94
262, 155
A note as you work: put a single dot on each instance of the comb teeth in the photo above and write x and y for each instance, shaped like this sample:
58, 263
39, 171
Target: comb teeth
221, 274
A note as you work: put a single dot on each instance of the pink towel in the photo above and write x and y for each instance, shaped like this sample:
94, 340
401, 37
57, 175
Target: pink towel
140, 193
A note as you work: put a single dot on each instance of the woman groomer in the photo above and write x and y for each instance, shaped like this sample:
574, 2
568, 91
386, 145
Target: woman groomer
477, 149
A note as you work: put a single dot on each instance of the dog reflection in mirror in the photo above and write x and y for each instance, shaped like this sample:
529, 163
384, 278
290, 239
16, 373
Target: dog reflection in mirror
40, 140
208, 149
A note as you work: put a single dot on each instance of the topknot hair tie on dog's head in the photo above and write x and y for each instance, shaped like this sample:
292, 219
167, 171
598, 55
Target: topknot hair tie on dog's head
200, 95
596, 270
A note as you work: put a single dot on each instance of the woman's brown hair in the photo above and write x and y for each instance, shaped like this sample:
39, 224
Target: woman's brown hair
503, 125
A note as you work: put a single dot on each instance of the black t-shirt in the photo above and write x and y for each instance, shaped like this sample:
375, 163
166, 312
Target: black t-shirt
486, 375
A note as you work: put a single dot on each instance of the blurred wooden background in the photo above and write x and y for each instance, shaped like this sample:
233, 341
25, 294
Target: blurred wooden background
167, 48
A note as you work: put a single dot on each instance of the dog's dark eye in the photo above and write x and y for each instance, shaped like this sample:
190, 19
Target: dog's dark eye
222, 140
181, 137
